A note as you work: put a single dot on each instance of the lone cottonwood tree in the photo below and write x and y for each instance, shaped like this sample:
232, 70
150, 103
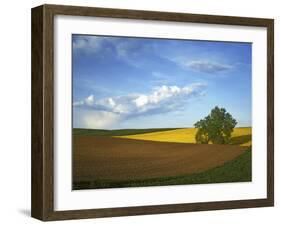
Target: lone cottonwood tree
216, 127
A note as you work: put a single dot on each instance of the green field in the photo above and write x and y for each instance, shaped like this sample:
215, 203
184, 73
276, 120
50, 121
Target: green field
117, 132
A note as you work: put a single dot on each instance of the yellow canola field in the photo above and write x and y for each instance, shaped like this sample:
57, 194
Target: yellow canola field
241, 136
244, 134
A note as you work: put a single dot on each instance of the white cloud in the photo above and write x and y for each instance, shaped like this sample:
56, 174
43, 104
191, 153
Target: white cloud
88, 43
95, 119
141, 100
94, 44
99, 119
205, 66
208, 66
126, 49
89, 101
108, 111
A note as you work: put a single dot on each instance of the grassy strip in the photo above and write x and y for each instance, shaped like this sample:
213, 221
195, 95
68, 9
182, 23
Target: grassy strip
237, 170
118, 132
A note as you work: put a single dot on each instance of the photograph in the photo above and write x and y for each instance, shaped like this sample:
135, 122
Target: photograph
152, 111
140, 112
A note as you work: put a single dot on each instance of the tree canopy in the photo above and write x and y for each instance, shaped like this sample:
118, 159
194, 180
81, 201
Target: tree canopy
216, 127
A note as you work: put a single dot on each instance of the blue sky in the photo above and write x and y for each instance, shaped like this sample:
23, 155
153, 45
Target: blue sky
123, 82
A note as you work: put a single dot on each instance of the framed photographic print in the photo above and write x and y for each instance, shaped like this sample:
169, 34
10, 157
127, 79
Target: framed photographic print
141, 112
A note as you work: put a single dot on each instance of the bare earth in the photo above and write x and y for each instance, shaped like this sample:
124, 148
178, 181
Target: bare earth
97, 157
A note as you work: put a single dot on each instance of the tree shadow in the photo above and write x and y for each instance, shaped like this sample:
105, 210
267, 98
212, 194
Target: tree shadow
240, 139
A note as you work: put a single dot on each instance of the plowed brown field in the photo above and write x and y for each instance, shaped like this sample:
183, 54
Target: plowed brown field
97, 157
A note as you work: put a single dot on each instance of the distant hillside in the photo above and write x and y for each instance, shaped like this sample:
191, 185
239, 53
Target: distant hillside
118, 132
240, 136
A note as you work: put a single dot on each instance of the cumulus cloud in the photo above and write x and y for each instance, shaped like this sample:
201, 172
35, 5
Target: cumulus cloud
208, 66
111, 110
89, 101
98, 119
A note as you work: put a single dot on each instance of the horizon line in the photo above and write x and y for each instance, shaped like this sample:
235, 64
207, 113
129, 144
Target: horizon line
155, 128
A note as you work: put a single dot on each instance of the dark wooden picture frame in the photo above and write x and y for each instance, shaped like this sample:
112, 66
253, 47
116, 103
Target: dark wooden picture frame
42, 204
